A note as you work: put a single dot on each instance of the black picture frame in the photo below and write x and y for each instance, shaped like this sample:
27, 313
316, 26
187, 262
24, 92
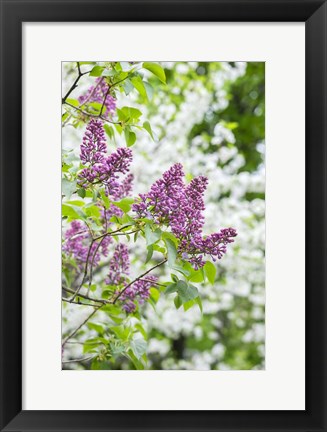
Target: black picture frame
13, 14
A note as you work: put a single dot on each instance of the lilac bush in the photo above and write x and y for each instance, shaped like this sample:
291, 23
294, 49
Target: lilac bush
105, 219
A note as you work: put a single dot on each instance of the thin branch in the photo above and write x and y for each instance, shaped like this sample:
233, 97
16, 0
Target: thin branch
74, 85
96, 308
112, 232
102, 301
104, 100
138, 278
77, 302
78, 360
90, 114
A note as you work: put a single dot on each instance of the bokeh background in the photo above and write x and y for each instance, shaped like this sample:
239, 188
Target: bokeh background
211, 118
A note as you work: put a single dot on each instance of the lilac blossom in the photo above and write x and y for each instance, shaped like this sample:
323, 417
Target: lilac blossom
93, 147
98, 93
171, 202
107, 171
77, 244
139, 290
119, 265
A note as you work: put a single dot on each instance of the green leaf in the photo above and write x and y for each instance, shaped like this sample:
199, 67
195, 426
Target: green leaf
93, 211
149, 89
130, 137
151, 236
105, 199
127, 86
156, 69
68, 187
147, 127
97, 71
138, 347
109, 131
154, 294
139, 85
71, 212
171, 251
125, 204
138, 364
73, 102
171, 236
186, 291
188, 305
178, 302
97, 327
210, 271
149, 254
171, 288
181, 270
81, 192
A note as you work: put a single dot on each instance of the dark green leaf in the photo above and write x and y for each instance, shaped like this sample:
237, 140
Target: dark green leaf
149, 254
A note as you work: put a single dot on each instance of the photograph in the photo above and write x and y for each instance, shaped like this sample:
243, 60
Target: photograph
163, 215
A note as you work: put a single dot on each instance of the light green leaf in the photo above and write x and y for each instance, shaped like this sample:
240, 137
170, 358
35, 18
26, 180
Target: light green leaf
138, 347
68, 187
97, 71
210, 271
154, 294
130, 137
151, 236
156, 69
73, 102
125, 204
71, 212
148, 128
136, 362
139, 85
127, 86
109, 131
105, 199
171, 251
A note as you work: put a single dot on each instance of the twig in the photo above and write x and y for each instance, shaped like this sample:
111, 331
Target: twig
104, 100
77, 302
80, 74
96, 308
138, 278
78, 360
102, 301
90, 114
112, 232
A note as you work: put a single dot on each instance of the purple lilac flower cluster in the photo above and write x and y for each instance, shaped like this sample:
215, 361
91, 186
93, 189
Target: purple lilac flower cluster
77, 240
93, 147
171, 202
118, 270
138, 290
119, 266
104, 169
97, 93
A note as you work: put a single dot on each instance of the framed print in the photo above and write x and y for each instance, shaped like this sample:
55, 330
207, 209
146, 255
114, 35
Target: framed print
163, 215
